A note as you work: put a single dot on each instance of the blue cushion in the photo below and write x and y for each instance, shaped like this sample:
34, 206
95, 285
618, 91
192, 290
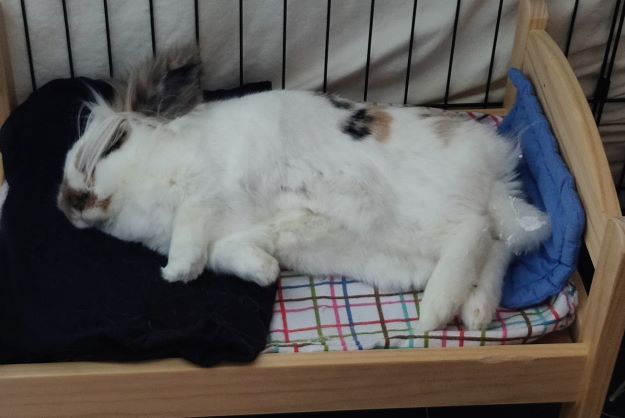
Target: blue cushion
536, 276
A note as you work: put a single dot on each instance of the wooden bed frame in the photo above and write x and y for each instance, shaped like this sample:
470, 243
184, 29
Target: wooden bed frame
572, 367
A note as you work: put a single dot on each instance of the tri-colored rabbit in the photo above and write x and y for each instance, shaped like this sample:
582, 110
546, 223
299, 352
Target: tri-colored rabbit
398, 197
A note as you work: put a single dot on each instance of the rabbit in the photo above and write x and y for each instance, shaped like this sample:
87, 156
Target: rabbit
398, 197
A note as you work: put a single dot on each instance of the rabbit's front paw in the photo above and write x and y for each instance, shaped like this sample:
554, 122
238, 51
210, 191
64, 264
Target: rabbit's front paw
179, 271
259, 267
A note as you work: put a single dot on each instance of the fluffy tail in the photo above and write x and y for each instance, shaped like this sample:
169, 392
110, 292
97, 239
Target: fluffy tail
517, 223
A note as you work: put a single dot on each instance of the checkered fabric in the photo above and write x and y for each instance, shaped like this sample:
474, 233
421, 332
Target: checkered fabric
326, 313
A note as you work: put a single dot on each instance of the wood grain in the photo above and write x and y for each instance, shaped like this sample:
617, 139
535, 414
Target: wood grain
7, 95
571, 121
495, 111
297, 382
532, 14
604, 321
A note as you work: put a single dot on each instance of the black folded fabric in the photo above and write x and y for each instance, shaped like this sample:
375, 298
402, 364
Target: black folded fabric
69, 294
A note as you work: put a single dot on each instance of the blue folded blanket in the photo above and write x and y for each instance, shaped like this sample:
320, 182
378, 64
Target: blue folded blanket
536, 276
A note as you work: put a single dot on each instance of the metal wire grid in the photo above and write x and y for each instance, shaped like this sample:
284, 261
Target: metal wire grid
597, 101
197, 4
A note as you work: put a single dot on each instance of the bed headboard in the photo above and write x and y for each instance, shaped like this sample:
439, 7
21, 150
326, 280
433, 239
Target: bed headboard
567, 110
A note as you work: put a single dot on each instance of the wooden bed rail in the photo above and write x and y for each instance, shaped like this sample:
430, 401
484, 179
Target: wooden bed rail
304, 382
577, 373
602, 320
532, 15
576, 131
7, 93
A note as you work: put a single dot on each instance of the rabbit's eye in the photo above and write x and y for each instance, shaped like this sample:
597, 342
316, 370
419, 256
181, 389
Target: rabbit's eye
118, 140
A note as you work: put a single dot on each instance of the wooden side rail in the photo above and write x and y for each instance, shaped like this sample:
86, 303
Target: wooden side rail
603, 323
7, 94
601, 319
297, 382
532, 15
566, 108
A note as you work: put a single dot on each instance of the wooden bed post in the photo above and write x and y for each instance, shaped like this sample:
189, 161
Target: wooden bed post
601, 318
532, 14
603, 324
7, 95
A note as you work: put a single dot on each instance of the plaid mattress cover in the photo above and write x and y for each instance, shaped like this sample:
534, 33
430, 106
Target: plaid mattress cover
328, 313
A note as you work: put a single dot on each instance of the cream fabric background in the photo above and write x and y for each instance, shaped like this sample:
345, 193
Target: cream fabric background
306, 25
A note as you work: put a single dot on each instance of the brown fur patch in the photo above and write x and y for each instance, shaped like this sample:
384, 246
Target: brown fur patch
444, 124
368, 121
381, 124
444, 127
76, 199
103, 203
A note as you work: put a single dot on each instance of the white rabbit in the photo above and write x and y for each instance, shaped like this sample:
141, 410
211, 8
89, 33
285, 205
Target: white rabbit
394, 196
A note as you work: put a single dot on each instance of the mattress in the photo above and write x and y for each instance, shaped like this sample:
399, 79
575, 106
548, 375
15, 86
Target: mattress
334, 313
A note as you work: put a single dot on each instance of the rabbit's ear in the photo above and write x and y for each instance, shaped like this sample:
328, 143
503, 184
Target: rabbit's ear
167, 86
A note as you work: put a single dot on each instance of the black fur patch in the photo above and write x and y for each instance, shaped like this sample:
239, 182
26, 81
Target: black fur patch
340, 103
167, 86
357, 126
121, 135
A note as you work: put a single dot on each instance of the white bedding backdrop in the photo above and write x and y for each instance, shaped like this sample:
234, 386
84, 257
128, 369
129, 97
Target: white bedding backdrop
306, 27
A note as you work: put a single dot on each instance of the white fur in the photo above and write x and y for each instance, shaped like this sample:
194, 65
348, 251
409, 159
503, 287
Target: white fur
243, 184
4, 190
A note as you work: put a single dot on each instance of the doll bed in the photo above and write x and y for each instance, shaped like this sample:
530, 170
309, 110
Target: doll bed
571, 367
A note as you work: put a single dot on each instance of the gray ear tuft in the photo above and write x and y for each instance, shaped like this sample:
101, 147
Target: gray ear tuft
167, 86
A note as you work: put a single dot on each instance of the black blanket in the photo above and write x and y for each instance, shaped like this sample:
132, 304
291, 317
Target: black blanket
69, 294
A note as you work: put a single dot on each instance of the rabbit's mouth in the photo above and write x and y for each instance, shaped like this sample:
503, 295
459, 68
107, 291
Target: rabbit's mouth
79, 223
89, 218
82, 206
